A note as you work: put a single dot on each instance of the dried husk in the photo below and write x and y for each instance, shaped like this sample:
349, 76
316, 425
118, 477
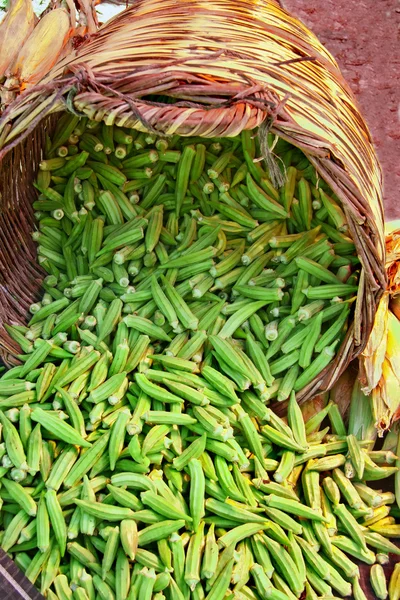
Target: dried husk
41, 50
373, 356
380, 360
225, 66
17, 24
393, 258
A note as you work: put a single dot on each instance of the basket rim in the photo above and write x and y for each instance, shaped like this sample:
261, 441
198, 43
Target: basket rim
349, 164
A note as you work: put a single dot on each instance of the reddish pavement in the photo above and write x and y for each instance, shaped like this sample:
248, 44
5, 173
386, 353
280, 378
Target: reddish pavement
363, 36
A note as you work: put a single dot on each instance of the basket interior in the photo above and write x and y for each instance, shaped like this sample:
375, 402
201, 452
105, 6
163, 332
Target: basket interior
20, 273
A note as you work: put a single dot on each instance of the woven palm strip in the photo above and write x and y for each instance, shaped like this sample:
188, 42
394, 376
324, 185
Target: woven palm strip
228, 65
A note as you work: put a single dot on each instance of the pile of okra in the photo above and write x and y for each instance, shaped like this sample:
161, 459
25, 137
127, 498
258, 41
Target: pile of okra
139, 457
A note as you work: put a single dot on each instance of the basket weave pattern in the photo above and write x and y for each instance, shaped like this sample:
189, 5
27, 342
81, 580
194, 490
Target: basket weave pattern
228, 66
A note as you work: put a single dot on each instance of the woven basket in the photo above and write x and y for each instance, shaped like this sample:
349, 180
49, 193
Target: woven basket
226, 66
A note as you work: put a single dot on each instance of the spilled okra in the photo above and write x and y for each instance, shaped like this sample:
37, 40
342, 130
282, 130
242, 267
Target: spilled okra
139, 456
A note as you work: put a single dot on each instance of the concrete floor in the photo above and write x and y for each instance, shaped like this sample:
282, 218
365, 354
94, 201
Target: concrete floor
363, 36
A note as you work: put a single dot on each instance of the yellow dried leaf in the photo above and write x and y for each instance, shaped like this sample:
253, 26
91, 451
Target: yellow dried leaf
15, 28
374, 354
393, 343
392, 263
42, 48
380, 361
378, 333
380, 411
390, 388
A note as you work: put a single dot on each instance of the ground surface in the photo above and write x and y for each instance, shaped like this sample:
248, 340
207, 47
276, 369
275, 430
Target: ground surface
363, 36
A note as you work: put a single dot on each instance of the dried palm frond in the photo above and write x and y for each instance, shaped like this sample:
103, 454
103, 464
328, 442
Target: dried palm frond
14, 30
213, 69
88, 16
